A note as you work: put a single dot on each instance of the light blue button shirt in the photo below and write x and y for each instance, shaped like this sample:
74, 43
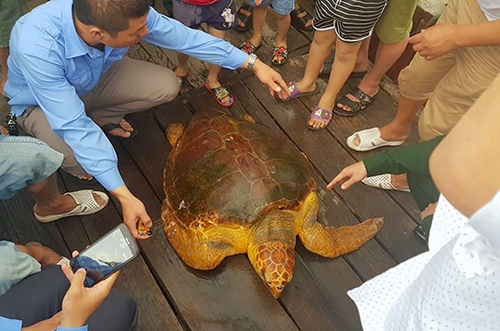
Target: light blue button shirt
51, 66
7, 324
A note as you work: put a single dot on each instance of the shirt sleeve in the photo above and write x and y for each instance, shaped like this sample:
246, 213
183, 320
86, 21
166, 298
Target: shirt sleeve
172, 34
7, 324
404, 159
80, 328
66, 115
15, 266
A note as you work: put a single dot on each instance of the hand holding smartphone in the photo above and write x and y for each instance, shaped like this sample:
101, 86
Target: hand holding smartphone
107, 255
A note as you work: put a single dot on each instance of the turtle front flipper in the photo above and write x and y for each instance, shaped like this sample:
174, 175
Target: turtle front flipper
328, 241
202, 245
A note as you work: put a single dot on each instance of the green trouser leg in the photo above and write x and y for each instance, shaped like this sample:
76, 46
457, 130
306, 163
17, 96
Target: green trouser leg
424, 192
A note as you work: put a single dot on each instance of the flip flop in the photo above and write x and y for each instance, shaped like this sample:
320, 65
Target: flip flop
300, 22
247, 20
370, 139
327, 69
382, 181
295, 93
111, 126
321, 114
86, 205
219, 94
282, 52
364, 100
248, 47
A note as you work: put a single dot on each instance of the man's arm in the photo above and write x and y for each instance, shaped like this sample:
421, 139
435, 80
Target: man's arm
442, 38
66, 114
169, 33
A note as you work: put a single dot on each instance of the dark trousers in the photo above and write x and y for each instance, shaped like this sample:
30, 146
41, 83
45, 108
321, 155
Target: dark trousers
40, 296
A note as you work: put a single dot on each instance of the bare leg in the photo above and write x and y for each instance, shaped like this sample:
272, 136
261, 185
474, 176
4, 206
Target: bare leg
400, 127
4, 54
283, 22
400, 181
259, 18
387, 55
320, 48
182, 68
214, 70
42, 254
345, 58
49, 201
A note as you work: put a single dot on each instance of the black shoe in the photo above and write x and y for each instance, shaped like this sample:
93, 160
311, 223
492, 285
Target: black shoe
420, 233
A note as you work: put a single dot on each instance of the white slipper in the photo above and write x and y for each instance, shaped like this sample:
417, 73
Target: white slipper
370, 139
383, 182
65, 261
86, 205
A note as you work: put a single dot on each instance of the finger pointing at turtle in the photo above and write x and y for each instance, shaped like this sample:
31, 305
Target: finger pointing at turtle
350, 175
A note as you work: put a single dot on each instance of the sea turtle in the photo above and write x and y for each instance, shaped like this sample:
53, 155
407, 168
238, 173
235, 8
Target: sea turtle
235, 187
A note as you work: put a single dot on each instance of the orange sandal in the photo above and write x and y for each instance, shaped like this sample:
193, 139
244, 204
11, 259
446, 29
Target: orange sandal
221, 93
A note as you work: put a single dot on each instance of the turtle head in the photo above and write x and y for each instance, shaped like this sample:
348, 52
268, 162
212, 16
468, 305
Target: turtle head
274, 263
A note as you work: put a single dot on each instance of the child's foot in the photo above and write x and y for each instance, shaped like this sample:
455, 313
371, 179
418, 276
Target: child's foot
280, 54
249, 47
220, 93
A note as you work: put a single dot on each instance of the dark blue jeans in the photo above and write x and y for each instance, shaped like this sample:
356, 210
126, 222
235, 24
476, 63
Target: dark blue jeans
40, 296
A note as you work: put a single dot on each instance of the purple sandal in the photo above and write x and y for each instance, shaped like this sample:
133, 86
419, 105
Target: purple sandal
321, 114
295, 93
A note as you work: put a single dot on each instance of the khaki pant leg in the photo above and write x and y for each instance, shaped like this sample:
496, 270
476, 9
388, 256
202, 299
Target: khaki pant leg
475, 69
34, 122
130, 86
419, 79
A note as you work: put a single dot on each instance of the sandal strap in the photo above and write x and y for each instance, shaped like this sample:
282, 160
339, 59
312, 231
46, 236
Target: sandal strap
84, 199
321, 114
364, 99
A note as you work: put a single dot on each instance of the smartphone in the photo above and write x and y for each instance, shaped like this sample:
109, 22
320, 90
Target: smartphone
107, 255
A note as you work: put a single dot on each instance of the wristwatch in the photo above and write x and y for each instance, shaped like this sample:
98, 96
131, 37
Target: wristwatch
251, 61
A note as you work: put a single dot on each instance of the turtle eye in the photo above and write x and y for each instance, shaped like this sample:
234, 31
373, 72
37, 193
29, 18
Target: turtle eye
281, 207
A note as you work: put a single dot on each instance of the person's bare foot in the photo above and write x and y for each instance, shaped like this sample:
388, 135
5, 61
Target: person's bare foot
42, 254
124, 131
368, 89
390, 132
3, 131
400, 181
63, 204
2, 85
181, 71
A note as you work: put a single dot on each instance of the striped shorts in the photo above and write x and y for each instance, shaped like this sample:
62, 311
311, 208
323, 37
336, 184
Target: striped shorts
352, 20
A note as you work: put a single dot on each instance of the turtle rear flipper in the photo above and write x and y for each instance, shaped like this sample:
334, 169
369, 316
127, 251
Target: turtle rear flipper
328, 241
331, 242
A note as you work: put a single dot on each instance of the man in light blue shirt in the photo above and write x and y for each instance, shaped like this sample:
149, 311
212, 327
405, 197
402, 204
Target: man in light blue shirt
67, 76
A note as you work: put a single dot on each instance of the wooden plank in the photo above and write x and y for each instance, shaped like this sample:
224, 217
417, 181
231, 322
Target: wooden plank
232, 297
20, 226
396, 235
135, 278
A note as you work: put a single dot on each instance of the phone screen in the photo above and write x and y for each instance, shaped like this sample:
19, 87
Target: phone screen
104, 257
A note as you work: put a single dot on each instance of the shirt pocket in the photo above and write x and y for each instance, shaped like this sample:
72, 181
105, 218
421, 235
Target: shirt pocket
81, 81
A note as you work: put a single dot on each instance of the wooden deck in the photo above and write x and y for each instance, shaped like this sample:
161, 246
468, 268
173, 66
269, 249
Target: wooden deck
172, 296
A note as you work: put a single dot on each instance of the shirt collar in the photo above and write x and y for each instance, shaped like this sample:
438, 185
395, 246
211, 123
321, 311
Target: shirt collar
74, 44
